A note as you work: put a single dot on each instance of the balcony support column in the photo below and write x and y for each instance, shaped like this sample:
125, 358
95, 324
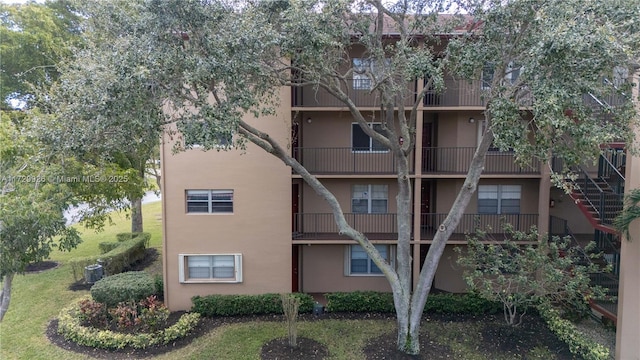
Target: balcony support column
628, 326
544, 197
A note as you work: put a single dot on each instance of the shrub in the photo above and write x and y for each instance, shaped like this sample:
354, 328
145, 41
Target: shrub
567, 332
69, 326
360, 301
159, 284
231, 305
370, 301
116, 260
129, 286
105, 247
122, 237
93, 313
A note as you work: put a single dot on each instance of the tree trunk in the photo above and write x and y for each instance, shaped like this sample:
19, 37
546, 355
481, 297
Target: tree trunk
5, 295
136, 215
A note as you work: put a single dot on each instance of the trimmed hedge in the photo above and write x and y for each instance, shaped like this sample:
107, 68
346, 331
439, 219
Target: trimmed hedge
105, 247
567, 332
371, 301
122, 237
116, 260
230, 305
129, 286
69, 326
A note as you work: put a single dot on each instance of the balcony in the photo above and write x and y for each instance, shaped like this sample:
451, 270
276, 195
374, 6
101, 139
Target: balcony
491, 223
465, 93
358, 91
321, 226
456, 160
345, 161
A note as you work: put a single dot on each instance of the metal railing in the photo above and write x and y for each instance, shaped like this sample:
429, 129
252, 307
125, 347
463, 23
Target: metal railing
606, 204
456, 160
358, 90
345, 160
465, 93
610, 164
323, 225
491, 223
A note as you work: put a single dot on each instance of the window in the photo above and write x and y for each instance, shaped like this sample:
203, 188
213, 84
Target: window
369, 199
359, 263
364, 70
511, 74
221, 142
361, 142
210, 201
499, 199
210, 268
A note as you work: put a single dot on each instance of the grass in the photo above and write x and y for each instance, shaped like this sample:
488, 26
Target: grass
37, 298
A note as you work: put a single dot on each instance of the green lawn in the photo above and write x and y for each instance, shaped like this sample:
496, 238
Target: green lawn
37, 298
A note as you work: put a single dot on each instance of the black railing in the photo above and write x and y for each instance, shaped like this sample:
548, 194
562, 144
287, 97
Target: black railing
358, 90
456, 160
345, 161
611, 164
605, 203
490, 223
465, 93
559, 227
323, 225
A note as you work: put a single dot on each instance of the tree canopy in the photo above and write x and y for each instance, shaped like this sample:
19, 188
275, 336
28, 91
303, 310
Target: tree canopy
204, 66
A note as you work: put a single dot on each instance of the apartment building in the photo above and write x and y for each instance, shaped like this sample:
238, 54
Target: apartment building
240, 222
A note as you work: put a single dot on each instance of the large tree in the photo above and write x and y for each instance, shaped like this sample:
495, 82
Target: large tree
208, 64
35, 37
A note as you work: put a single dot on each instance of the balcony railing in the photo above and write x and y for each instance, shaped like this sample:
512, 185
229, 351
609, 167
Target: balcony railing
323, 226
493, 224
345, 161
457, 160
465, 93
358, 91
385, 227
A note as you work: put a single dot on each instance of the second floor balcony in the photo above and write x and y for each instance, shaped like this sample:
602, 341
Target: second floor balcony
322, 226
346, 160
456, 160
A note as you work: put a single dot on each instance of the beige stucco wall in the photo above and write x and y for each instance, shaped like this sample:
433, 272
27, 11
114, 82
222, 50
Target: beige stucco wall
323, 271
449, 274
259, 228
566, 208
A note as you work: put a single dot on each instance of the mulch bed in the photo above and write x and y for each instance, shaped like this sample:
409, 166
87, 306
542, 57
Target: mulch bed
279, 349
41, 266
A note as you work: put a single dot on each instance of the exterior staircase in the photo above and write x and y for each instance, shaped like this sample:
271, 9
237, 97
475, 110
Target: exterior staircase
600, 199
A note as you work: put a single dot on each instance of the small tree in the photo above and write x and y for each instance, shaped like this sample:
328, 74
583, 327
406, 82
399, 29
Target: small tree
630, 213
290, 305
525, 270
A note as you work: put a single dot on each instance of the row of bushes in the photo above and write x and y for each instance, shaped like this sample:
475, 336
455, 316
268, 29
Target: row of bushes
116, 256
70, 326
358, 301
231, 305
371, 301
567, 332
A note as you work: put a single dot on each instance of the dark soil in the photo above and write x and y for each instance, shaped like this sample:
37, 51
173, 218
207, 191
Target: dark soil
41, 266
279, 349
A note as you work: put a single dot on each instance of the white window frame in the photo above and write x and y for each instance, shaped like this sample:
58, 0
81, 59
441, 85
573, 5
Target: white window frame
370, 149
210, 200
183, 270
369, 197
390, 258
502, 193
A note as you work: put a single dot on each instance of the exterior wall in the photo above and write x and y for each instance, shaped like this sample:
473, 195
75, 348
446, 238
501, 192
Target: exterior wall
323, 271
449, 273
259, 227
566, 208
